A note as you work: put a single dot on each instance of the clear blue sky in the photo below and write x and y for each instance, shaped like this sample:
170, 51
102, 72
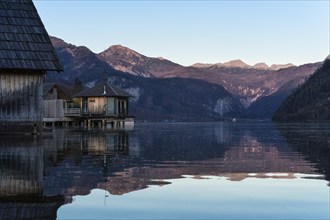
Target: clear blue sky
187, 32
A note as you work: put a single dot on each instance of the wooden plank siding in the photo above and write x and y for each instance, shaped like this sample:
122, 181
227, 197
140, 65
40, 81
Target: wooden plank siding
107, 106
96, 105
55, 108
21, 96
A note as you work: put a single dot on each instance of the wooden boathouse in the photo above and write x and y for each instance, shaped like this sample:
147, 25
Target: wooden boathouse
103, 105
26, 53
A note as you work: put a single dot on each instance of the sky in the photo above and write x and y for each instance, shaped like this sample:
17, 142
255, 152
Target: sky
188, 32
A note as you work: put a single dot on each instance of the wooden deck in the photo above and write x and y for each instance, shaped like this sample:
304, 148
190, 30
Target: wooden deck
90, 120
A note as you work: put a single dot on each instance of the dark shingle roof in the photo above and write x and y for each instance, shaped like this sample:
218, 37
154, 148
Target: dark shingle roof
24, 42
103, 89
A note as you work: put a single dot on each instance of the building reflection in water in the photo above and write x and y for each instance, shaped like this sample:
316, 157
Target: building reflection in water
21, 180
45, 173
76, 161
21, 166
38, 175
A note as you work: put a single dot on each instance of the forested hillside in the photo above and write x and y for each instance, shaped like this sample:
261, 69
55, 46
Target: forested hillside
311, 101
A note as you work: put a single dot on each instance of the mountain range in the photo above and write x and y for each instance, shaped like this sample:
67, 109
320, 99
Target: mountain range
245, 82
155, 99
241, 64
165, 90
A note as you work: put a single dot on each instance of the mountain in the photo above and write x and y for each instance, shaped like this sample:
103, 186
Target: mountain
155, 99
247, 83
78, 63
127, 60
310, 101
259, 89
265, 106
177, 99
250, 84
201, 65
236, 63
240, 64
281, 66
262, 66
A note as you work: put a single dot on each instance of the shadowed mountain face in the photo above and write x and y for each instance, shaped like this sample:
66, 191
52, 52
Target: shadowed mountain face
78, 63
311, 101
177, 99
252, 86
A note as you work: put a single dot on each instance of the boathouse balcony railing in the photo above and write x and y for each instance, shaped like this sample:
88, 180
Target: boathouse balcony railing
72, 112
92, 112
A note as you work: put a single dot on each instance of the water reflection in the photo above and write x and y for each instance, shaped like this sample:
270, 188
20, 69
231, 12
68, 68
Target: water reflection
21, 180
311, 140
45, 173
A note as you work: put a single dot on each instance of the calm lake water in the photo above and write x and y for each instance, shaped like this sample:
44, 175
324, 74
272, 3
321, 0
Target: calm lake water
169, 171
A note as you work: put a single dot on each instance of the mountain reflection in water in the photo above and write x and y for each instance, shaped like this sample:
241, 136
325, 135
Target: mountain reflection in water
38, 175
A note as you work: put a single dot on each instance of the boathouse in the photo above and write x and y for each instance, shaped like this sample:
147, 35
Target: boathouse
105, 103
56, 100
26, 53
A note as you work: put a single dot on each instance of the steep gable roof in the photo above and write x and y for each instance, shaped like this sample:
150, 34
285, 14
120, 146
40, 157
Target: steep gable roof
103, 89
24, 41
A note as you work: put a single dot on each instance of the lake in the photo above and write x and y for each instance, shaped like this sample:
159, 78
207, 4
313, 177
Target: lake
169, 171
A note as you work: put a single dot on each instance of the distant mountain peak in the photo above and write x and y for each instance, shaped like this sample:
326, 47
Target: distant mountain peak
281, 66
127, 60
240, 64
202, 65
120, 50
236, 63
261, 66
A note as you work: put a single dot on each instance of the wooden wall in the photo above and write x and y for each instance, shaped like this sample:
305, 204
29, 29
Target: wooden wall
21, 96
21, 101
96, 105
54, 108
